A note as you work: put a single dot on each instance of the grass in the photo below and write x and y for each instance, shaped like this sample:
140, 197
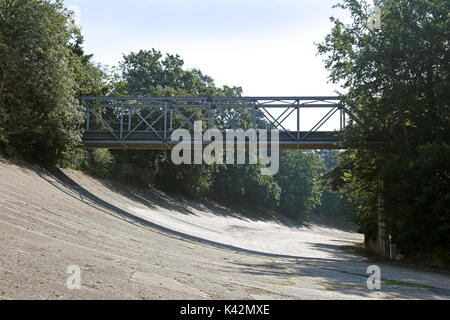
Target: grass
327, 286
284, 283
258, 291
405, 285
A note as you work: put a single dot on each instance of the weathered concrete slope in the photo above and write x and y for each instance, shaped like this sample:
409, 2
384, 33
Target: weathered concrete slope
132, 244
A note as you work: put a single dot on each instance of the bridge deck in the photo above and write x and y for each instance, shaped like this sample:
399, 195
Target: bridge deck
150, 140
148, 122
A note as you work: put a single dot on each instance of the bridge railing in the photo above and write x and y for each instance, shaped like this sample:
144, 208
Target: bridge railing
149, 118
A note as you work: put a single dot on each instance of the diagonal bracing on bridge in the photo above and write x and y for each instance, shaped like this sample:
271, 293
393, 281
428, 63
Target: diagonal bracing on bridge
148, 122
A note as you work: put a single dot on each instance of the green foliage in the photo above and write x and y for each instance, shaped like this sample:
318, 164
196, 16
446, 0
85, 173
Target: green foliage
422, 223
100, 162
357, 175
334, 204
192, 180
396, 81
298, 179
39, 115
147, 73
245, 184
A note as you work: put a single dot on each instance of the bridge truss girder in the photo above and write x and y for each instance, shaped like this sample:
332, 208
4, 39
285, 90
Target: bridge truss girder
148, 122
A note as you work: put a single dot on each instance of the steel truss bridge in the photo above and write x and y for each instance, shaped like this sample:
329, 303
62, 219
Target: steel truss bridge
148, 122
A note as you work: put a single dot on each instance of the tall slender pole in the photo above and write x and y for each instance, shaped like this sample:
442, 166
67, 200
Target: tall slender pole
298, 120
254, 115
121, 120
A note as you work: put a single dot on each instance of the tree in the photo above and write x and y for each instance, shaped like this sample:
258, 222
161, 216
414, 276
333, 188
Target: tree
148, 73
42, 69
90, 79
395, 82
244, 184
298, 179
334, 203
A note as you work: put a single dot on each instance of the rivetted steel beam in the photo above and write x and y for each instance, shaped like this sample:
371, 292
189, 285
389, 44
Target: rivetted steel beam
318, 98
148, 122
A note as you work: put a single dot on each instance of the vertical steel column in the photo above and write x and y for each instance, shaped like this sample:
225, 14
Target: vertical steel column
209, 115
254, 114
129, 118
209, 120
171, 120
121, 121
381, 234
344, 120
298, 119
165, 121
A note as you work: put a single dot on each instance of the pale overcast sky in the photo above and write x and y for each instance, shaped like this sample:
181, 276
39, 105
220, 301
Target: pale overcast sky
265, 46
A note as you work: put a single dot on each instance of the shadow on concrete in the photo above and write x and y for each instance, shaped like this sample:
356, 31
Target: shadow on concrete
64, 183
154, 199
348, 277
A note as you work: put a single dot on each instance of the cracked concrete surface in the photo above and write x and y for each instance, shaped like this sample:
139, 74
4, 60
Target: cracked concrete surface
132, 244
